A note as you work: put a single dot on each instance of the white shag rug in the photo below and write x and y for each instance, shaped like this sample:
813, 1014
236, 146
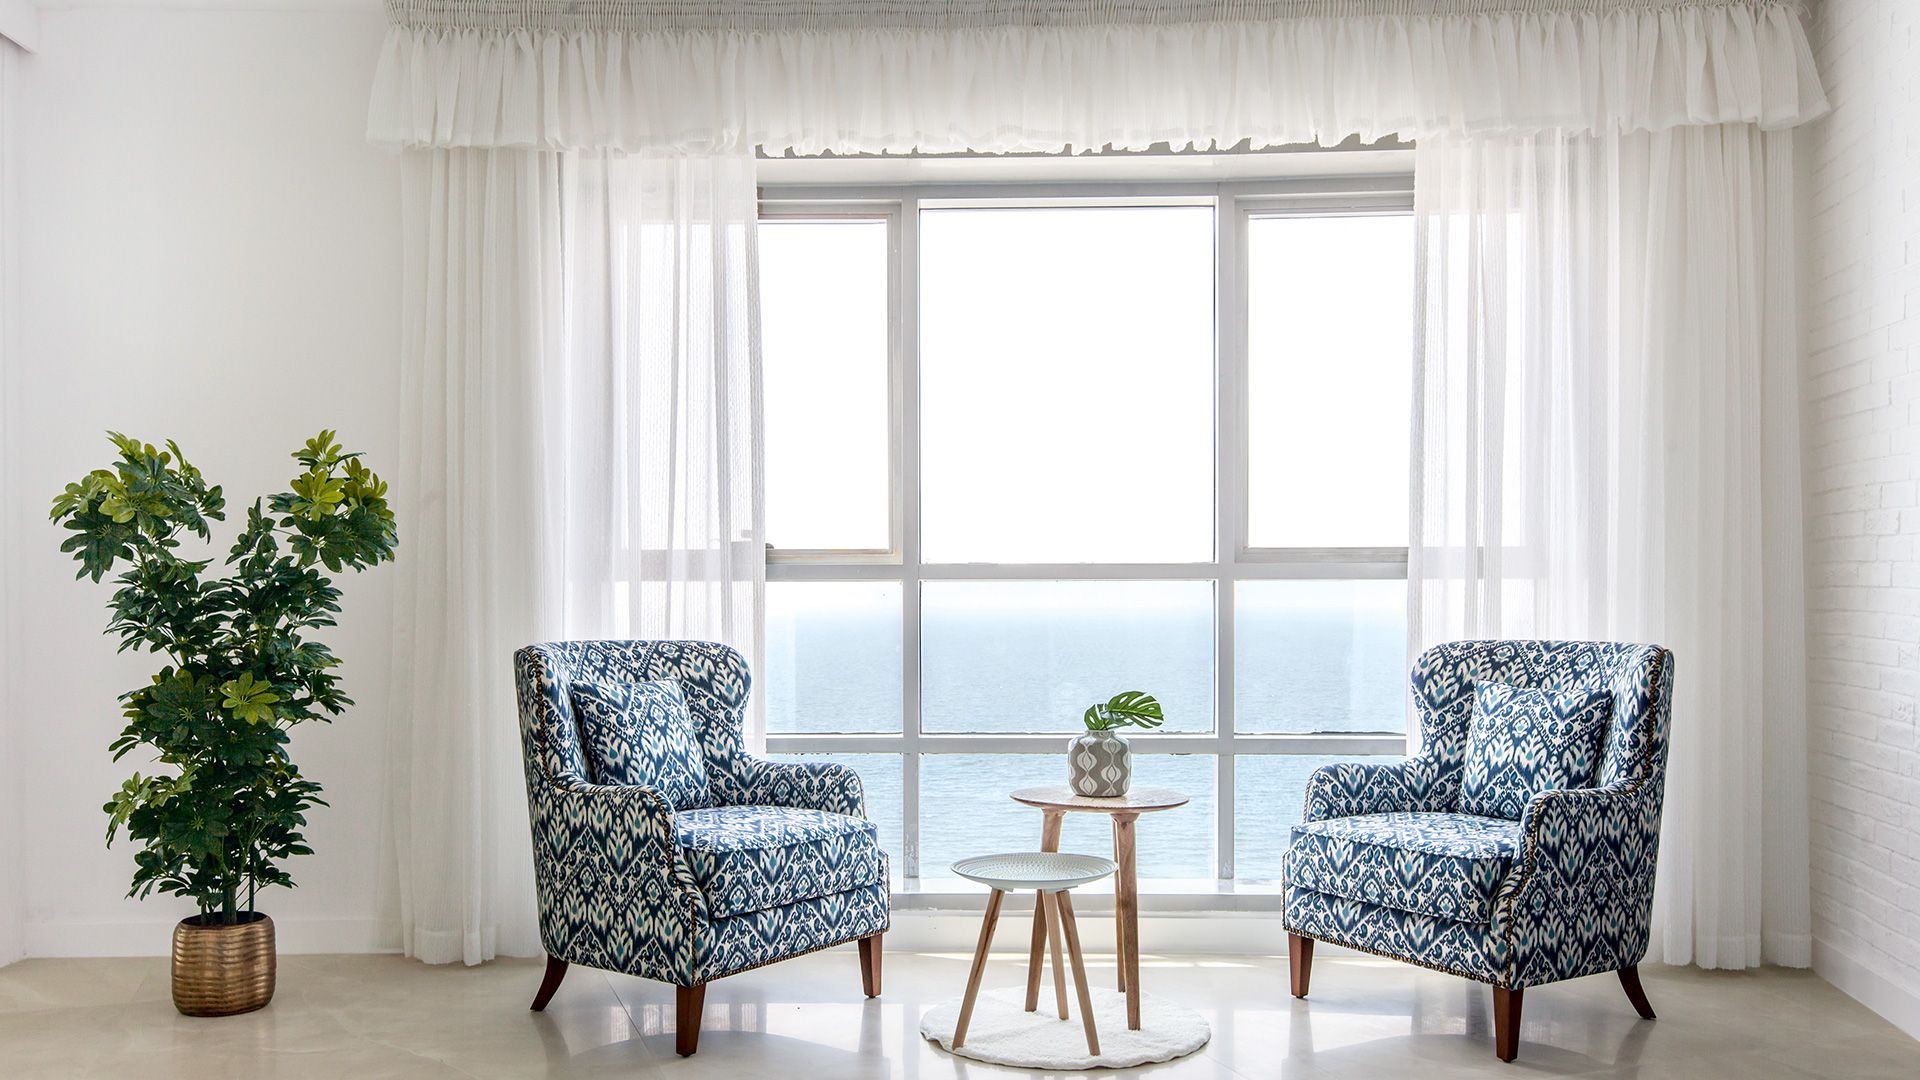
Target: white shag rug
1004, 1033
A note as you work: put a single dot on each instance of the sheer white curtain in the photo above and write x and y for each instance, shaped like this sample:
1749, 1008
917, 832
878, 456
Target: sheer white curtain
1038, 75
1607, 446
581, 459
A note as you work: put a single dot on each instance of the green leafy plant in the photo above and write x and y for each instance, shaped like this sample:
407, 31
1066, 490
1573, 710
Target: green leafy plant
242, 669
1135, 708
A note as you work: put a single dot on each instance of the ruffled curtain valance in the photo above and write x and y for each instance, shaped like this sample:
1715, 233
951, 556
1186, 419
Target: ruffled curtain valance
1047, 75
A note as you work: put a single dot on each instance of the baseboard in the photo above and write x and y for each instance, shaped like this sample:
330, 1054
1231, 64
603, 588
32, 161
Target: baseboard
155, 937
1900, 1005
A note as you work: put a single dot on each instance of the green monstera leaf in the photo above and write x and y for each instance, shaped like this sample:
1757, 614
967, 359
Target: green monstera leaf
1131, 707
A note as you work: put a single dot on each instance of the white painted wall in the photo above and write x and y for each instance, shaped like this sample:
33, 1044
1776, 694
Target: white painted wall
12, 899
20, 22
1863, 520
212, 253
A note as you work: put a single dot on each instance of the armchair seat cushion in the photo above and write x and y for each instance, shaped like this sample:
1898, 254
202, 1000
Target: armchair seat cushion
751, 858
1442, 865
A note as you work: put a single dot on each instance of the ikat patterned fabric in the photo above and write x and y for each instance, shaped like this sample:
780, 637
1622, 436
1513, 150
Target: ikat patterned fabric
755, 939
1445, 865
1577, 897
615, 887
1442, 944
1523, 741
750, 858
641, 735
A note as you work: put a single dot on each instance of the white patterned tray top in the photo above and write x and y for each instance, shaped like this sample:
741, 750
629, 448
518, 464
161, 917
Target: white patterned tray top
1045, 871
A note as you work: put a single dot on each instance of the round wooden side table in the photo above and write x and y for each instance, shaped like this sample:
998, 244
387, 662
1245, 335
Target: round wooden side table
1055, 802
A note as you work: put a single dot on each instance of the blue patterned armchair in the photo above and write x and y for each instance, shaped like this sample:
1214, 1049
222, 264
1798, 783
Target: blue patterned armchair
765, 862
1553, 884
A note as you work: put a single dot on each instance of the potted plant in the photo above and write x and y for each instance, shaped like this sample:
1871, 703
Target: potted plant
227, 804
1100, 763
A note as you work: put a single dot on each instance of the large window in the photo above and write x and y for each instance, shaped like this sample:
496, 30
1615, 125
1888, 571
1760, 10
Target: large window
1025, 452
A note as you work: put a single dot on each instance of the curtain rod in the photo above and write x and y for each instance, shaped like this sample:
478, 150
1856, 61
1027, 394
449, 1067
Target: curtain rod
639, 16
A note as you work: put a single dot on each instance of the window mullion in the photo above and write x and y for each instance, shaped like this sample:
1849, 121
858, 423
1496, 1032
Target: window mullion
906, 352
1229, 492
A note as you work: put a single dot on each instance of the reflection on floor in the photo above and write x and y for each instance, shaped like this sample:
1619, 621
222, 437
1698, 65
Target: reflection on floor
370, 1017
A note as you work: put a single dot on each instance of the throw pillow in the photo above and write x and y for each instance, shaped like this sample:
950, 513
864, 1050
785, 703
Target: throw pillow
1523, 741
642, 734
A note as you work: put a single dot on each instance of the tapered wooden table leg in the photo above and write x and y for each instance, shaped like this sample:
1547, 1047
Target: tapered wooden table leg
1052, 901
979, 966
1063, 907
1050, 823
1119, 917
1126, 904
1037, 951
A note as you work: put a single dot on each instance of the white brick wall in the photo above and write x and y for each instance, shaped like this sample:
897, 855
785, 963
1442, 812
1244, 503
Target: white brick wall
1862, 179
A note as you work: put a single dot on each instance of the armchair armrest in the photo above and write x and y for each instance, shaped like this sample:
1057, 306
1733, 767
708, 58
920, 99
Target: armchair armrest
1350, 788
804, 785
610, 878
631, 827
1579, 898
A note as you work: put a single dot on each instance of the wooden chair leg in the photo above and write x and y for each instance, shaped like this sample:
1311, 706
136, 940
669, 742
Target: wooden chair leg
1630, 981
1063, 907
1052, 900
979, 966
1506, 1022
1300, 962
556, 970
1037, 951
688, 1002
870, 965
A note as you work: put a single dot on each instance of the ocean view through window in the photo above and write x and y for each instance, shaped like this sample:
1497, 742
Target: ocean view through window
1153, 443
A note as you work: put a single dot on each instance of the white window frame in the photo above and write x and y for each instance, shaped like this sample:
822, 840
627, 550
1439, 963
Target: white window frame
1235, 203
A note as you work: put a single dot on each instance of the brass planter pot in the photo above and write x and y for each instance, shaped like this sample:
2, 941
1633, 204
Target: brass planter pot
222, 970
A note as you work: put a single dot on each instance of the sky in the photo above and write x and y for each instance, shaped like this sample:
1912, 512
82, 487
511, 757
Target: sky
1067, 382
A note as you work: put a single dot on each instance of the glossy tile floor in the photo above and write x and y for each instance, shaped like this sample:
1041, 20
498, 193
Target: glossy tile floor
370, 1017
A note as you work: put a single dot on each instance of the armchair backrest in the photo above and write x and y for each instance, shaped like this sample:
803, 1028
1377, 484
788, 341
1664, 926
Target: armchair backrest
1640, 678
714, 676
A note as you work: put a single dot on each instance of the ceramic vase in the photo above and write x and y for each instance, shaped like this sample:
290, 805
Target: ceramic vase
1099, 765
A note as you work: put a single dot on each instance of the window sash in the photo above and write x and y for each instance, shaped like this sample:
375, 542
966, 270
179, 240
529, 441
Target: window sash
889, 212
1233, 559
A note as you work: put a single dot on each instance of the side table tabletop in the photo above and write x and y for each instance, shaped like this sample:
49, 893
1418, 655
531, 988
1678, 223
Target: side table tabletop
1055, 802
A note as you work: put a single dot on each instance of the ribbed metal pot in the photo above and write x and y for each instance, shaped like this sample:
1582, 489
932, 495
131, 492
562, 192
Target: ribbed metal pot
222, 970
